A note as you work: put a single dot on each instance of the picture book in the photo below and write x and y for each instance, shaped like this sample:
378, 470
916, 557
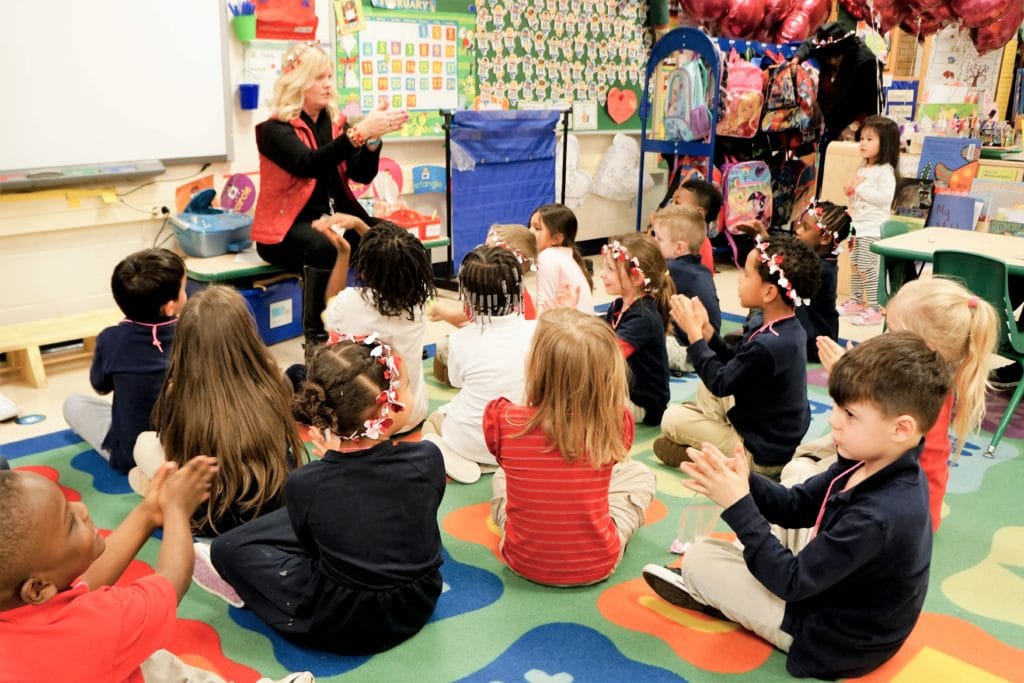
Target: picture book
951, 162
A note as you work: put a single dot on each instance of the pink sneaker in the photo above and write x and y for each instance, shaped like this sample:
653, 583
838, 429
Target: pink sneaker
206, 577
850, 307
870, 316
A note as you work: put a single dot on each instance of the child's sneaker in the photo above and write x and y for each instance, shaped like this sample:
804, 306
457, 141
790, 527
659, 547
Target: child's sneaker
206, 577
670, 452
870, 316
850, 307
301, 677
668, 583
460, 469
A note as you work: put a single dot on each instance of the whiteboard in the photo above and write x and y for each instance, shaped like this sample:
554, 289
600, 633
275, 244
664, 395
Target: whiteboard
112, 81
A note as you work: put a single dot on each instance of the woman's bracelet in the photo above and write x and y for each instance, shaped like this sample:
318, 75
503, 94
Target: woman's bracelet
355, 137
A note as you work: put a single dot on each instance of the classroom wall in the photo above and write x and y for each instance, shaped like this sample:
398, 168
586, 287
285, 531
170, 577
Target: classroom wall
58, 247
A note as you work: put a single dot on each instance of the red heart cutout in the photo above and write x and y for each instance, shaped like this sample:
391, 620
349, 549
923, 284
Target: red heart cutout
621, 104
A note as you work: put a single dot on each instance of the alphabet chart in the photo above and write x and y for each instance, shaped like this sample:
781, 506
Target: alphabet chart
414, 64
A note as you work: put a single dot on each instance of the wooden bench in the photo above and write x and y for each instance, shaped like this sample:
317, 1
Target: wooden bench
22, 341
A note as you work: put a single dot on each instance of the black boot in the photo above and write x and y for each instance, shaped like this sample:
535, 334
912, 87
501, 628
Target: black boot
314, 290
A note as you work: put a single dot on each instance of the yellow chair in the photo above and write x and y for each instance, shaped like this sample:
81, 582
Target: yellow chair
987, 277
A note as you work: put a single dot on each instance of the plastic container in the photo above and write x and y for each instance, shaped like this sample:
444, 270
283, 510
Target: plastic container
244, 26
697, 520
204, 231
420, 225
249, 95
277, 309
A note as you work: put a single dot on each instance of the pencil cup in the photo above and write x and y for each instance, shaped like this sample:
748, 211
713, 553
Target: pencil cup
244, 26
249, 95
696, 521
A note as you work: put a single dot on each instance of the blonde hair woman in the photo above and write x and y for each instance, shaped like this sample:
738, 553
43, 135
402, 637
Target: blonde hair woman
224, 396
567, 498
308, 153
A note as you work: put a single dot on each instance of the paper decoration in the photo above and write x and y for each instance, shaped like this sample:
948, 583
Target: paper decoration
184, 193
556, 52
621, 104
428, 179
616, 176
239, 194
350, 16
387, 181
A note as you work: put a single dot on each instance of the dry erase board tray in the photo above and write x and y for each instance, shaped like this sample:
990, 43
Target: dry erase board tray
42, 178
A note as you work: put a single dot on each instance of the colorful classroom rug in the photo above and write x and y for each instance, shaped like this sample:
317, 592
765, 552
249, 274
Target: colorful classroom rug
491, 625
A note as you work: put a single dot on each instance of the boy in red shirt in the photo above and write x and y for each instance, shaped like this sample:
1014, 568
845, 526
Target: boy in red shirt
60, 617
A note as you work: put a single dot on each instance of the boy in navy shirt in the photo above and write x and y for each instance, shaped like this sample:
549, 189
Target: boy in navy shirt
131, 357
755, 391
681, 232
849, 599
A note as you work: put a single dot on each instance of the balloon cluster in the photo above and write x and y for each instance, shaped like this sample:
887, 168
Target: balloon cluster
992, 22
769, 21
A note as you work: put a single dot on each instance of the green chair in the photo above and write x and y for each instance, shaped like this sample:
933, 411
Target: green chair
987, 277
892, 273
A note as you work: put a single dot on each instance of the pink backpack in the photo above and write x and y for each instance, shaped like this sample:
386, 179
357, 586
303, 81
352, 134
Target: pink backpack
741, 98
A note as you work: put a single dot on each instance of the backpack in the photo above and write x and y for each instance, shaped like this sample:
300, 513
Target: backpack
686, 108
789, 182
791, 100
741, 98
746, 193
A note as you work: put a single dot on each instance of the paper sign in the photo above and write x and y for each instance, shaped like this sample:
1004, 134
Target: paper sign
428, 179
184, 193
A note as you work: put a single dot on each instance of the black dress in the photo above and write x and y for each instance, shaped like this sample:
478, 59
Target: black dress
352, 564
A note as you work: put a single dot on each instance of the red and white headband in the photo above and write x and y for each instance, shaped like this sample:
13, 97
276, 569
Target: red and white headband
774, 263
387, 399
620, 254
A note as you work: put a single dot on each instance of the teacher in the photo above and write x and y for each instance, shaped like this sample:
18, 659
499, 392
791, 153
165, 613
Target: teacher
308, 152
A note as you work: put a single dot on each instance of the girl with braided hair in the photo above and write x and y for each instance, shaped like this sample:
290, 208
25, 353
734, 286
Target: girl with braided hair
485, 359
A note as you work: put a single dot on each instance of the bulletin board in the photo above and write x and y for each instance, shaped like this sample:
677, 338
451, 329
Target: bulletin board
425, 55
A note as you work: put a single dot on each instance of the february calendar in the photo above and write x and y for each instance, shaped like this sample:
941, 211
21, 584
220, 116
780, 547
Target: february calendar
414, 64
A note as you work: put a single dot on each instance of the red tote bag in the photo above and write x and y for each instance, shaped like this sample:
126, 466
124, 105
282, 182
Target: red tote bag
286, 19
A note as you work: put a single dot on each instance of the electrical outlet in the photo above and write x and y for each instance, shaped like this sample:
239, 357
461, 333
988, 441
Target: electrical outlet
154, 212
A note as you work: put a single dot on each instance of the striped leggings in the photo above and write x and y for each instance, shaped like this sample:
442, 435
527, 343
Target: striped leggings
864, 262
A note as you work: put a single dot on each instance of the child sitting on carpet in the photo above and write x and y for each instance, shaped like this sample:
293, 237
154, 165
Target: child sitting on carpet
351, 565
635, 270
963, 329
523, 245
61, 619
823, 226
559, 262
681, 232
131, 357
395, 283
706, 198
485, 359
567, 498
753, 392
224, 396
845, 603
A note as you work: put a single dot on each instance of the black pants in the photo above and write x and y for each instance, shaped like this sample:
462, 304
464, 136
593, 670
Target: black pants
304, 246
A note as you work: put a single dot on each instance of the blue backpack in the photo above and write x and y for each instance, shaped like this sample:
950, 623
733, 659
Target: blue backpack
687, 116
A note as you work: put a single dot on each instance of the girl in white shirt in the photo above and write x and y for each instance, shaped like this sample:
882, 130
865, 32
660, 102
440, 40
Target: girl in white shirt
559, 262
396, 281
485, 360
871, 195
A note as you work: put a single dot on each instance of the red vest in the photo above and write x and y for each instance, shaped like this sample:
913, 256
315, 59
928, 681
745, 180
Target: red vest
283, 195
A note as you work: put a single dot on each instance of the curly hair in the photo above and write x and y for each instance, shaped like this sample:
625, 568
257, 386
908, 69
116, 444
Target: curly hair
341, 387
15, 530
491, 281
799, 262
834, 220
394, 271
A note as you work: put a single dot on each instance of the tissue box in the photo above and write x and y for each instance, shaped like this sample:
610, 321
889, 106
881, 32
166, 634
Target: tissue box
278, 310
420, 225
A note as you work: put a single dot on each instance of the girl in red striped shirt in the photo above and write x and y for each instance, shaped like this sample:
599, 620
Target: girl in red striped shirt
566, 496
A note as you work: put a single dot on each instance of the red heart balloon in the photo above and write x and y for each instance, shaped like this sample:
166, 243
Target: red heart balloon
817, 11
979, 13
743, 18
797, 26
621, 104
774, 11
706, 10
995, 35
